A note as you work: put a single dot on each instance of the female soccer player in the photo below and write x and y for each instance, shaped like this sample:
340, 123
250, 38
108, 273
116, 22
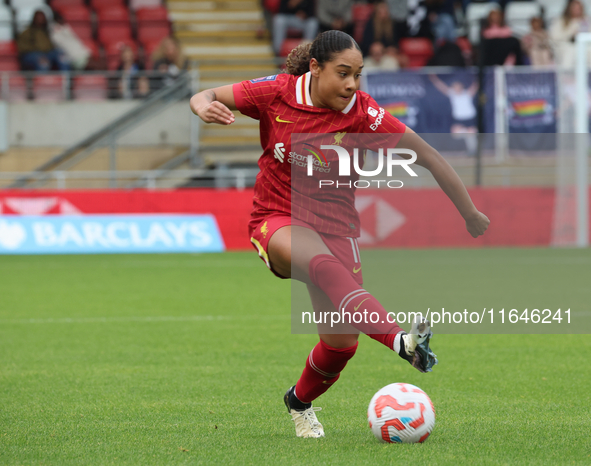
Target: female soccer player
319, 94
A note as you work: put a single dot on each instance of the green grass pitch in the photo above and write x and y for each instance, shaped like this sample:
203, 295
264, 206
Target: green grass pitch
184, 359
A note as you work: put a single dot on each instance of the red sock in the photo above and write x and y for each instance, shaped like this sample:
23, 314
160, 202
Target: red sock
323, 368
331, 276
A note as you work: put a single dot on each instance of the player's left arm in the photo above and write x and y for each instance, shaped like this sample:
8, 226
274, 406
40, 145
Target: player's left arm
214, 105
448, 180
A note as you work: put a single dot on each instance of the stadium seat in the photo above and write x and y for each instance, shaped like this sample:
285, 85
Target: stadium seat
116, 33
62, 5
272, 6
152, 33
6, 31
519, 14
49, 88
17, 88
9, 57
113, 16
74, 14
418, 50
9, 64
475, 13
361, 14
288, 45
102, 4
82, 30
152, 15
90, 87
8, 49
137, 4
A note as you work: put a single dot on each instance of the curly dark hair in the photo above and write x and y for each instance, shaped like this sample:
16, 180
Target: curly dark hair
323, 49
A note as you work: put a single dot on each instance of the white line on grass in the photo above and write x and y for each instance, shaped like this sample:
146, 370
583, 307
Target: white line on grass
92, 320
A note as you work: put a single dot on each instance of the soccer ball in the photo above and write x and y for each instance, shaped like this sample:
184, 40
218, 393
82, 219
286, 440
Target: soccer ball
401, 413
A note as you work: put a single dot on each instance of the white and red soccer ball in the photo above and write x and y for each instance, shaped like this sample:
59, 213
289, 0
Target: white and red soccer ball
401, 413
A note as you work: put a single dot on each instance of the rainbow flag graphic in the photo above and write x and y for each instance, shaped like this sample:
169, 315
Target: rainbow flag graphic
397, 109
529, 108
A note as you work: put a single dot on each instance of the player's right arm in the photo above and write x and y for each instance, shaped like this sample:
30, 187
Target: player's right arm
215, 105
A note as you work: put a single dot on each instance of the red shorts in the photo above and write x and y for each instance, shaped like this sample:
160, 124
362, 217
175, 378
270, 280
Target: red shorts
343, 248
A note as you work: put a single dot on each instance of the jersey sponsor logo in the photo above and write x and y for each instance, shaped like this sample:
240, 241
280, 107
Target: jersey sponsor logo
302, 161
378, 120
315, 151
264, 79
279, 151
339, 138
372, 112
279, 120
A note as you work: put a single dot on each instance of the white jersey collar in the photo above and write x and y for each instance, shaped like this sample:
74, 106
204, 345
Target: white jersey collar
303, 92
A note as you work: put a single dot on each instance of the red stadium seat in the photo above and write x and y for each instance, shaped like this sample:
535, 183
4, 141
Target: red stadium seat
114, 33
90, 87
82, 30
8, 49
361, 14
74, 14
9, 57
272, 6
152, 33
63, 5
49, 88
9, 64
288, 45
17, 88
102, 4
114, 15
159, 14
418, 50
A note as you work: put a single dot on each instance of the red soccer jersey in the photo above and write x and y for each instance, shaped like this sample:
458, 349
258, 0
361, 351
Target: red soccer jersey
284, 107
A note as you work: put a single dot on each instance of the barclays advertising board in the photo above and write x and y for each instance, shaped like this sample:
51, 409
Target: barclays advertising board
95, 234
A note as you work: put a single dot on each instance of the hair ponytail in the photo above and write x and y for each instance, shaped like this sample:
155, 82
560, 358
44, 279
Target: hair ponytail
323, 49
298, 60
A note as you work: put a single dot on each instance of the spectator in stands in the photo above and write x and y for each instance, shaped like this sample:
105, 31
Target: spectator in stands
564, 31
37, 51
536, 44
132, 84
448, 54
495, 27
64, 37
169, 60
294, 14
335, 14
442, 17
379, 28
378, 60
500, 47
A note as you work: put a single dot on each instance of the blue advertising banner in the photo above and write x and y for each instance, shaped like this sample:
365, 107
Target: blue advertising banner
434, 103
531, 102
95, 234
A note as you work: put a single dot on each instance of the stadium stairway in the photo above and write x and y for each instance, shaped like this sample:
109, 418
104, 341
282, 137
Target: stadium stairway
229, 42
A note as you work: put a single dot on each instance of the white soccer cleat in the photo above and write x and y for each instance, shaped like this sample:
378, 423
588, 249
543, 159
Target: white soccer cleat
306, 423
419, 332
